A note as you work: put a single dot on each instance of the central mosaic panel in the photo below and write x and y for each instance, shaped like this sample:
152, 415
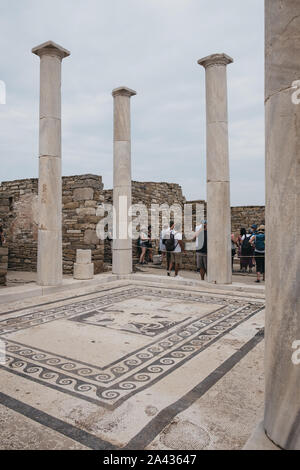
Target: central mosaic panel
143, 333
144, 315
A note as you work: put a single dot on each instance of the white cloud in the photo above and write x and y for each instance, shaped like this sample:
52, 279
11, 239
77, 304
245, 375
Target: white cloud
153, 47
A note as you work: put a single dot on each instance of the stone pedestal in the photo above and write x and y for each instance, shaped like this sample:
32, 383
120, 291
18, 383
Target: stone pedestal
49, 269
218, 183
122, 244
282, 405
83, 268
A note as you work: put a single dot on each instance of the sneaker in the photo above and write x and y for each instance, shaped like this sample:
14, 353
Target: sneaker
257, 280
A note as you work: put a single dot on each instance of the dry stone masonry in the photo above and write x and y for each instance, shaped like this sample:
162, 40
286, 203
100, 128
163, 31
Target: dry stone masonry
3, 264
81, 196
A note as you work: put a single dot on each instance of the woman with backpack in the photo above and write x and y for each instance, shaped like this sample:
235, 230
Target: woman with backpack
246, 251
258, 241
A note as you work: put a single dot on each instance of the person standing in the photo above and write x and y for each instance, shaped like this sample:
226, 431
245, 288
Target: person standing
144, 239
246, 251
169, 245
258, 241
149, 245
174, 246
162, 248
234, 244
201, 248
252, 232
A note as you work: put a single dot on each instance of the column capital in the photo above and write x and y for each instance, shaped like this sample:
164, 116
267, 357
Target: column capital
215, 59
123, 91
51, 48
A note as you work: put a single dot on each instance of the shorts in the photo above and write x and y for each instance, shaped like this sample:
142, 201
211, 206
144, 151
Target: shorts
202, 261
176, 258
260, 262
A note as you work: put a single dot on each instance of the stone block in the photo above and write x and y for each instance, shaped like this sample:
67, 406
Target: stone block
91, 203
83, 211
83, 271
82, 194
83, 256
90, 237
71, 205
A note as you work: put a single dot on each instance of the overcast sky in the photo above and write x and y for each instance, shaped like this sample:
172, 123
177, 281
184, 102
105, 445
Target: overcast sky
151, 46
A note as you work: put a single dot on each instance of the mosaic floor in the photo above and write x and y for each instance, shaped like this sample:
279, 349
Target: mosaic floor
105, 364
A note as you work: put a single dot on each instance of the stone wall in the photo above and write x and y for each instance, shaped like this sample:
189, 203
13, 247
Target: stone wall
4, 211
3, 264
81, 195
20, 223
245, 216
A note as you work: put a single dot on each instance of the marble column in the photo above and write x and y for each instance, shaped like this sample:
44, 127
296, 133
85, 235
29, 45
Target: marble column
49, 266
122, 244
282, 368
218, 183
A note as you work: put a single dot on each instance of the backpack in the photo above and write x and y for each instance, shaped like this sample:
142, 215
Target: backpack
260, 242
246, 246
170, 242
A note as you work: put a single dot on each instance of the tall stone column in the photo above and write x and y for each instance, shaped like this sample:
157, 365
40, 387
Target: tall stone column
282, 367
49, 265
122, 244
218, 183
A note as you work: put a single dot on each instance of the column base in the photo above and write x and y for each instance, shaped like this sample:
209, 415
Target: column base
49, 266
259, 440
122, 262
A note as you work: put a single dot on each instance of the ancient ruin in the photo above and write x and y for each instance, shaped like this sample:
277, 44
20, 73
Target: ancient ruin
99, 351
